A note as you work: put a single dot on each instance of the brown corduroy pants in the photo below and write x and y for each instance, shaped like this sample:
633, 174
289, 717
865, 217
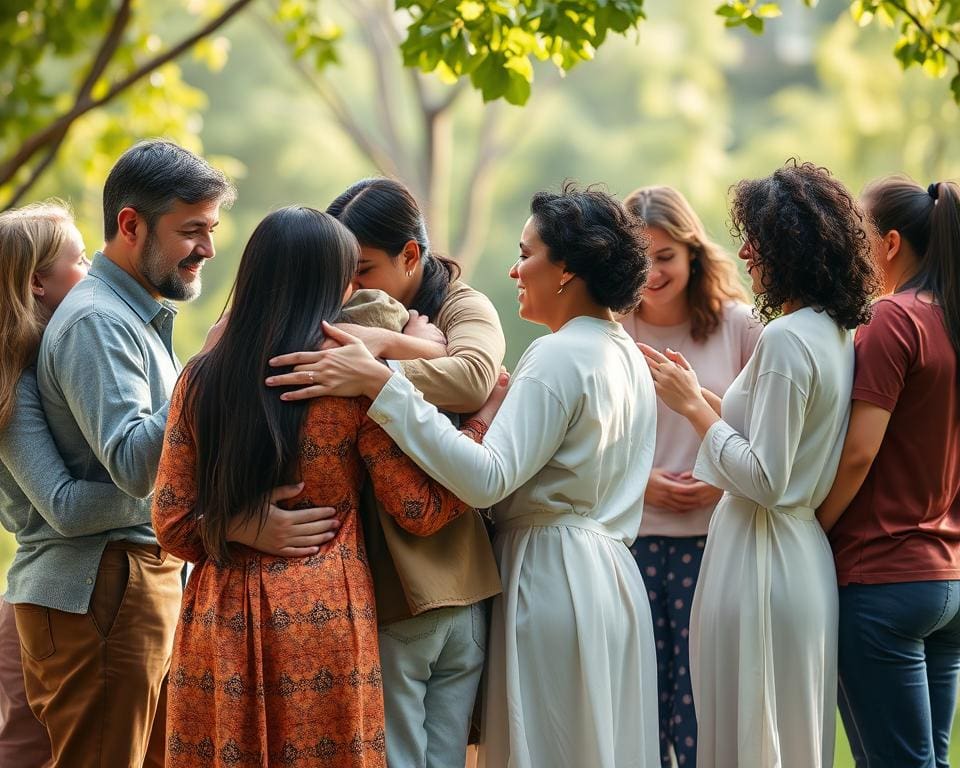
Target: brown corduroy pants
97, 681
23, 739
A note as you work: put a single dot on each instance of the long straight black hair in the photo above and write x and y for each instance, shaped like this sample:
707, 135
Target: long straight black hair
928, 219
292, 276
382, 213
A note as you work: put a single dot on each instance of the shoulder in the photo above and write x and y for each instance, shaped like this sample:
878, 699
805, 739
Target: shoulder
375, 309
898, 309
738, 315
893, 319
784, 348
462, 295
79, 319
465, 306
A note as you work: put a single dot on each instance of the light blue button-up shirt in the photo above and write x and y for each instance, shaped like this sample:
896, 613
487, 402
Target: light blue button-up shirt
105, 372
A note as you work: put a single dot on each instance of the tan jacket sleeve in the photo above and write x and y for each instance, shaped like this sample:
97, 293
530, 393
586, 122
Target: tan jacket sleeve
462, 381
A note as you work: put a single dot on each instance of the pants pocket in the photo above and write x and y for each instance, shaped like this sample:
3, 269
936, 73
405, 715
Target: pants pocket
413, 629
478, 617
113, 577
33, 626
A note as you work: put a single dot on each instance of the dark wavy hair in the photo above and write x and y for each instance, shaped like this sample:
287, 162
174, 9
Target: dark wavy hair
597, 239
382, 213
811, 242
292, 276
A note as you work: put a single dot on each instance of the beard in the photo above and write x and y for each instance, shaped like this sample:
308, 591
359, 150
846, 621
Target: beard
168, 282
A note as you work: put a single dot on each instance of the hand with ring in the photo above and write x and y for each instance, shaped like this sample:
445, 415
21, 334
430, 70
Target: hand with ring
347, 370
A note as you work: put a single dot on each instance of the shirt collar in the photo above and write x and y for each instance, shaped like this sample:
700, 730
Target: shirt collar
128, 289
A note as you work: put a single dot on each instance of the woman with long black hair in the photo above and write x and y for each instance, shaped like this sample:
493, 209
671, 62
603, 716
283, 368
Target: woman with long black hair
275, 658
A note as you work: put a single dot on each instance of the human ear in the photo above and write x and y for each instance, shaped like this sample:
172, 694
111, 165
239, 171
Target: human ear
410, 256
36, 286
128, 225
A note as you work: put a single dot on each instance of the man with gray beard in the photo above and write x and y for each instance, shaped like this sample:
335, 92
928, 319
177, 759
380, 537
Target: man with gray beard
95, 676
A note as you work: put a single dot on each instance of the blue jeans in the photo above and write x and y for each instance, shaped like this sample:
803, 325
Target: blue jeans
899, 656
431, 669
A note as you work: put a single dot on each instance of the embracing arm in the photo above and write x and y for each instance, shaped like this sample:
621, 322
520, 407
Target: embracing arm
525, 434
868, 425
174, 520
758, 467
419, 504
461, 380
71, 507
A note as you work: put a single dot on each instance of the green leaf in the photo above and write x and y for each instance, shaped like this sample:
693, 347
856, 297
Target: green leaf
768, 11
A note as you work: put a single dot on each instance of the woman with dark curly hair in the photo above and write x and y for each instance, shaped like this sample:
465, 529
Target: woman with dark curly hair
893, 515
763, 631
571, 676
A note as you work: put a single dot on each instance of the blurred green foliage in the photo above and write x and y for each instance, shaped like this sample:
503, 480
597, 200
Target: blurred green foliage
928, 30
680, 100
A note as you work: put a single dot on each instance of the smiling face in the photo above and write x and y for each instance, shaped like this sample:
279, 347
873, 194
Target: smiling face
176, 248
538, 278
669, 271
69, 269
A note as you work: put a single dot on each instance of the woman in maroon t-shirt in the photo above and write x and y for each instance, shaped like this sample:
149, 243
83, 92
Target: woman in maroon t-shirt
893, 514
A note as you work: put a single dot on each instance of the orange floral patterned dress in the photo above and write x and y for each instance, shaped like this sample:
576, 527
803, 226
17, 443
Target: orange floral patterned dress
275, 660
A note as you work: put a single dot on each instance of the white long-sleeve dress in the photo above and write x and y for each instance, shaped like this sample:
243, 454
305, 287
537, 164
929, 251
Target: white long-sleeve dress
571, 664
763, 628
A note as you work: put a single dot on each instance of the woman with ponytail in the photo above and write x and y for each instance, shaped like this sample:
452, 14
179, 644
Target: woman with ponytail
893, 515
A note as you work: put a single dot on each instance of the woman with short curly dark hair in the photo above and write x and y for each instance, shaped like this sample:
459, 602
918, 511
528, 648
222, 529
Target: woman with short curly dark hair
763, 630
571, 676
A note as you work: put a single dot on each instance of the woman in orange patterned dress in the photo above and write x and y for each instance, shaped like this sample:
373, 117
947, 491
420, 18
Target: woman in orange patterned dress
275, 660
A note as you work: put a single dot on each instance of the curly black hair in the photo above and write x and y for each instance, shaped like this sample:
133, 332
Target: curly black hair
597, 239
811, 242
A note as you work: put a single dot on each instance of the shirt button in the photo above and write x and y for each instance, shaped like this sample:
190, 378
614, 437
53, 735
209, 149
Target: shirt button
89, 580
381, 418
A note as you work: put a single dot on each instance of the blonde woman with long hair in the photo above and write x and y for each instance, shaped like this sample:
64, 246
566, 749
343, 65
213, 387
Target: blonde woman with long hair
41, 259
693, 303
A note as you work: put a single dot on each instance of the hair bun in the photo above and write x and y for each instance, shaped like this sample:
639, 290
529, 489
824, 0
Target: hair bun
934, 190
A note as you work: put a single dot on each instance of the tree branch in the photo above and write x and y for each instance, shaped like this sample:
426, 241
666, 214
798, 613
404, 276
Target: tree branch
49, 134
379, 49
477, 201
902, 7
363, 141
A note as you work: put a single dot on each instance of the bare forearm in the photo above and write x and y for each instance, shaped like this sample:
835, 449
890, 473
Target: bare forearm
701, 415
850, 477
712, 400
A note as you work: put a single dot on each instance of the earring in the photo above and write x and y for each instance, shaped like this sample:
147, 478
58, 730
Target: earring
562, 286
409, 273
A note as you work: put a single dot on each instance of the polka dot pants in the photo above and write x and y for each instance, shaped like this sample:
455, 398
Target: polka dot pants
670, 566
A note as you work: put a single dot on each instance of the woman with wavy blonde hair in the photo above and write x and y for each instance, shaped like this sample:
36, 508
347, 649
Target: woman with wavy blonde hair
693, 303
41, 259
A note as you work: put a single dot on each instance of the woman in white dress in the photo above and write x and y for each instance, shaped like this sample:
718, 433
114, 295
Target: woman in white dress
571, 665
763, 642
